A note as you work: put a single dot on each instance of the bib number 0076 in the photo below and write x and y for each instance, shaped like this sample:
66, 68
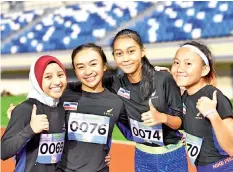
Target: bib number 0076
148, 134
88, 127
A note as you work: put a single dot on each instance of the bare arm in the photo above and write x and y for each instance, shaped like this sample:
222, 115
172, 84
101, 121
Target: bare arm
224, 132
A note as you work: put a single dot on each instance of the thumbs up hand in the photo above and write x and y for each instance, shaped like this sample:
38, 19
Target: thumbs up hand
153, 117
207, 106
40, 122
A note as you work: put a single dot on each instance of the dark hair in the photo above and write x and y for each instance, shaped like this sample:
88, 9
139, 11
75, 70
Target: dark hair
95, 47
147, 86
211, 76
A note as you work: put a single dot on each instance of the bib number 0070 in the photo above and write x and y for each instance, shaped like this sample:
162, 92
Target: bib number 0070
148, 134
88, 127
192, 149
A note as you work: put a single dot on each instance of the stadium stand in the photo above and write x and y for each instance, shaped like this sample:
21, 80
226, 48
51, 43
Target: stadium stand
65, 27
177, 20
30, 29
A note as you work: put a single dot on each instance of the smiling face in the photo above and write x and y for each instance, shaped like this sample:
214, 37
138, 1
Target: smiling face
188, 69
128, 55
54, 81
89, 69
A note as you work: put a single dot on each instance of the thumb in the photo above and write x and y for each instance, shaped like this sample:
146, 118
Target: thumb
215, 95
151, 105
34, 109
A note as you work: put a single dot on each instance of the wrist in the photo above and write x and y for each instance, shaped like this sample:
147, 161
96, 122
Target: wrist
209, 113
213, 116
165, 116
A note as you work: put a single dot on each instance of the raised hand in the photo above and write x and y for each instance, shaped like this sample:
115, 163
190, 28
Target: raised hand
207, 106
40, 122
153, 117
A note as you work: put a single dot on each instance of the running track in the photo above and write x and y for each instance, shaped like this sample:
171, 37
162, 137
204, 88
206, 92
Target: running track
122, 156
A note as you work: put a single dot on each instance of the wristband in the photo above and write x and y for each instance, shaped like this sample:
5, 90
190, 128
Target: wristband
209, 112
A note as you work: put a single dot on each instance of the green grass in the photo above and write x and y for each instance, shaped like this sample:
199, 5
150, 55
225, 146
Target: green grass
6, 101
5, 104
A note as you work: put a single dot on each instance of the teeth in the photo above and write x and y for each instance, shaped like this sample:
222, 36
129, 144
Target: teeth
90, 79
56, 89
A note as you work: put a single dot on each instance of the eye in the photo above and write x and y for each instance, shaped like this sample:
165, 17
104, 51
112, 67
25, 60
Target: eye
176, 62
118, 53
48, 77
131, 51
188, 63
93, 64
61, 75
80, 67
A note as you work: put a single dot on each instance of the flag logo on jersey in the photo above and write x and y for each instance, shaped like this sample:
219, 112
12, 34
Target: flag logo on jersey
70, 105
124, 93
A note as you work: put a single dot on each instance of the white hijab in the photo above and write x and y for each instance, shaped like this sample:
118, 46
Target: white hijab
36, 92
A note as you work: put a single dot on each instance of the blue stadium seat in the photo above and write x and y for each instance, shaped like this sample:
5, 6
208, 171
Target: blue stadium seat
70, 26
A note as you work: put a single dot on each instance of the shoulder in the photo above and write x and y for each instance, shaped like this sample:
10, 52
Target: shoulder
111, 96
23, 110
70, 95
209, 89
26, 105
163, 76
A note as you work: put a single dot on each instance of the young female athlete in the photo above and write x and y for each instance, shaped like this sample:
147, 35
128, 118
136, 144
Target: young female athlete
35, 133
153, 104
91, 112
208, 118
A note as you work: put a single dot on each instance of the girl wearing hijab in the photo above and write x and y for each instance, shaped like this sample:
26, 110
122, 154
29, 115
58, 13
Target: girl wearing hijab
35, 133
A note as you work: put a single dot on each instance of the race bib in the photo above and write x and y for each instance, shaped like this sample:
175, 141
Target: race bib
193, 146
142, 133
88, 128
50, 148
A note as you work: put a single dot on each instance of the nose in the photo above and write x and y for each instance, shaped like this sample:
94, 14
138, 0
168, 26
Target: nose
125, 58
88, 71
56, 80
180, 68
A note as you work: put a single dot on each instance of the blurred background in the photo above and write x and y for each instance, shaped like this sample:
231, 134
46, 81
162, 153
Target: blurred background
33, 28
30, 29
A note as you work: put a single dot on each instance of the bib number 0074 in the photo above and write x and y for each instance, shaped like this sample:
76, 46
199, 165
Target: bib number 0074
148, 134
88, 127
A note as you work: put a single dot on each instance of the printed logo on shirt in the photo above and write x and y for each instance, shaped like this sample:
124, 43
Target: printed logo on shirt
108, 112
184, 109
154, 96
198, 116
124, 93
